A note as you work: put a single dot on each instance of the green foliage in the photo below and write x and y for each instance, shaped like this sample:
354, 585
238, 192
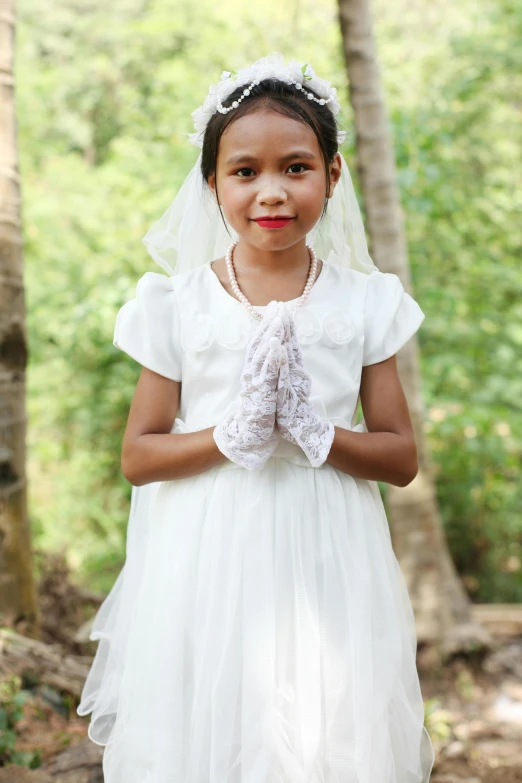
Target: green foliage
12, 699
436, 720
460, 161
104, 96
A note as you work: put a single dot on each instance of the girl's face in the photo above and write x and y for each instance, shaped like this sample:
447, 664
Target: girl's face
270, 165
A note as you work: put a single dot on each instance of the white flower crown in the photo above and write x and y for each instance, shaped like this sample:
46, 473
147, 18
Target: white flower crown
301, 75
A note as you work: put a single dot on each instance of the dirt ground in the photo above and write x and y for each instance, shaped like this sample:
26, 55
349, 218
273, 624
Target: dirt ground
474, 716
473, 707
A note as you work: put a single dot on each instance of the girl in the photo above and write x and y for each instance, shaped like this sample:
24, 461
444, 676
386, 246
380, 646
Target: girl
260, 630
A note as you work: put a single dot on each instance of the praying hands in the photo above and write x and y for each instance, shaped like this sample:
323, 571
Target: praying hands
274, 395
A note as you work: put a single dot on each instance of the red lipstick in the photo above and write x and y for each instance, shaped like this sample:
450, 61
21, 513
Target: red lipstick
273, 222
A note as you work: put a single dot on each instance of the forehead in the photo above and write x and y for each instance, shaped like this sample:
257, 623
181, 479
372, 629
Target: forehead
267, 133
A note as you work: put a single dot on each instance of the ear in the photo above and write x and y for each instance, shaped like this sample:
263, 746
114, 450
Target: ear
335, 173
212, 184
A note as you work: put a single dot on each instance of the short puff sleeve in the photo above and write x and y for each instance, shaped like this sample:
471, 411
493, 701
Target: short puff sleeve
391, 317
148, 326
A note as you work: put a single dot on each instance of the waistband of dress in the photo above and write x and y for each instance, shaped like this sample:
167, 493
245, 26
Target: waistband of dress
284, 449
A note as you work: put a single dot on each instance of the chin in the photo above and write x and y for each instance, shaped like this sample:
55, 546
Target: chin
275, 239
277, 243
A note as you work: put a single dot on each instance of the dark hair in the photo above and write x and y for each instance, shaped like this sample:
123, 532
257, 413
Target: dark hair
280, 97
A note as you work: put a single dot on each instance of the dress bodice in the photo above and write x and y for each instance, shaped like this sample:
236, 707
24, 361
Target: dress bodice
190, 329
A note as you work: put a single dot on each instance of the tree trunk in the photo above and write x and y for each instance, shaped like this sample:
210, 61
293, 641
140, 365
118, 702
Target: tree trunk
441, 605
50, 664
18, 604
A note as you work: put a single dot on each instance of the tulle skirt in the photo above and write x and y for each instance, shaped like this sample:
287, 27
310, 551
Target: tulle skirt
260, 631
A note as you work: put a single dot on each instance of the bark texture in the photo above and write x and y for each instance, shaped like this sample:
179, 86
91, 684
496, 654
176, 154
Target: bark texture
441, 605
18, 606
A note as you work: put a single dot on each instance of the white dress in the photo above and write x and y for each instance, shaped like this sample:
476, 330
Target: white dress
260, 630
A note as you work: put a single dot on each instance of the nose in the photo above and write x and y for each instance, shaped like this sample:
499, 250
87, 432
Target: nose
271, 190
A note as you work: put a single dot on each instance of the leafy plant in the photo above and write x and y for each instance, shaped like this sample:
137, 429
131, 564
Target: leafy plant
104, 100
436, 720
12, 699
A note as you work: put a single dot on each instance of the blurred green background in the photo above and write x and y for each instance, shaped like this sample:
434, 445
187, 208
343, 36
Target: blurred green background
104, 96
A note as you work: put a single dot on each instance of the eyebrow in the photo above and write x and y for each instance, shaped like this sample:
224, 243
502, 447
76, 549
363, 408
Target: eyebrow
246, 158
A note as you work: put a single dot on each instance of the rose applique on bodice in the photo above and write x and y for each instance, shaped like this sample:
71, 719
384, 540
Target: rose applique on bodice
232, 331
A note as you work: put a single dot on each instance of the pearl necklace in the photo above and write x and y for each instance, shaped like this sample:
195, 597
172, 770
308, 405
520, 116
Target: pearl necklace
242, 298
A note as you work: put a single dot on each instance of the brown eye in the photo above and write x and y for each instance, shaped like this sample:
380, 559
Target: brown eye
299, 165
238, 172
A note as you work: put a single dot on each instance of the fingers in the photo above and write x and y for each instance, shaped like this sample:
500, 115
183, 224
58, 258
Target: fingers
286, 396
277, 322
298, 373
287, 323
284, 369
273, 327
269, 370
294, 343
266, 327
301, 379
260, 330
259, 352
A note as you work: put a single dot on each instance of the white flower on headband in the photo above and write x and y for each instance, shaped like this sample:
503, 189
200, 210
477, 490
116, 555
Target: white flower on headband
301, 75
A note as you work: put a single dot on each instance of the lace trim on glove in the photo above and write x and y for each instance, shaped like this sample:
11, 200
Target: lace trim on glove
251, 449
306, 429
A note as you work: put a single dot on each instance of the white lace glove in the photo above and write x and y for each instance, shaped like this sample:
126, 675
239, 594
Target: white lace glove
296, 420
247, 436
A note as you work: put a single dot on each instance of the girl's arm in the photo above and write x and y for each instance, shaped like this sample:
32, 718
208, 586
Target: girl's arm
150, 452
387, 452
